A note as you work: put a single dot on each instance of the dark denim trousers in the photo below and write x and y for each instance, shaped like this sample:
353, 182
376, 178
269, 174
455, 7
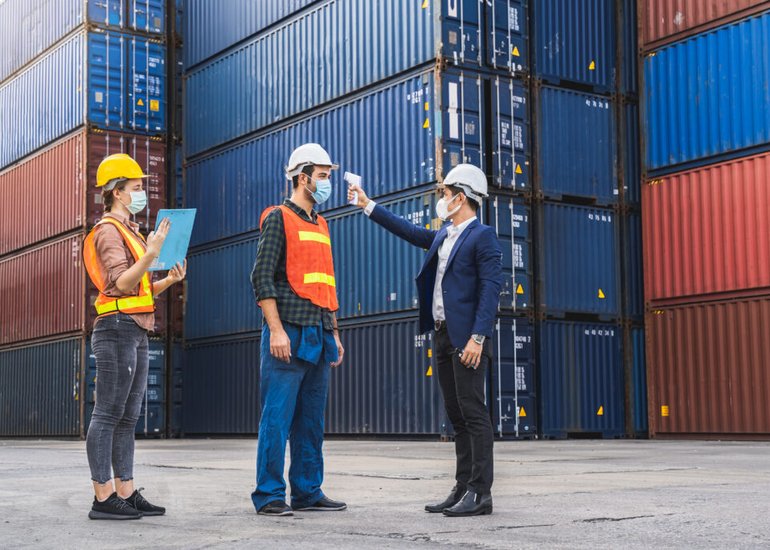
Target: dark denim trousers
122, 362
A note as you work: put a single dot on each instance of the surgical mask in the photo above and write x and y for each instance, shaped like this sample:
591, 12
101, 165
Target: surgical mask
323, 190
442, 208
138, 202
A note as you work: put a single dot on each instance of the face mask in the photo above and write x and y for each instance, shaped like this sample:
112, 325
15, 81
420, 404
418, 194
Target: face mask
442, 208
138, 202
323, 190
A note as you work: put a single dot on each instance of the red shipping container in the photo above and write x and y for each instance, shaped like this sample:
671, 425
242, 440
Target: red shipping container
707, 370
707, 231
44, 292
65, 175
666, 21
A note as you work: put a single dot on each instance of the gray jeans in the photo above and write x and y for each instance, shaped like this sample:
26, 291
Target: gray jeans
122, 362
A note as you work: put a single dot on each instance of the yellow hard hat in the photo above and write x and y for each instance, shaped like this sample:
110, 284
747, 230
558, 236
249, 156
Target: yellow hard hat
118, 166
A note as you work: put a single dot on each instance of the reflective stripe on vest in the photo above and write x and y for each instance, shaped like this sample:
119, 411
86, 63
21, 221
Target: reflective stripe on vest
309, 262
140, 303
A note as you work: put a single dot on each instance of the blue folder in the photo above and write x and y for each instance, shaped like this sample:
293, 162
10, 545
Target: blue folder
177, 241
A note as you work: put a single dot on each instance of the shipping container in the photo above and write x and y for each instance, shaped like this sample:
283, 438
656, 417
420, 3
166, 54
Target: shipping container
220, 387
707, 230
633, 269
387, 384
574, 41
512, 379
29, 28
220, 299
369, 285
581, 379
110, 80
695, 113
576, 137
631, 154
707, 370
629, 63
579, 261
638, 381
66, 173
40, 389
361, 53
664, 21
401, 122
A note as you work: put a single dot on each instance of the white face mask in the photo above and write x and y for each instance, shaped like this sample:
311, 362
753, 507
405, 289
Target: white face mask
442, 208
138, 201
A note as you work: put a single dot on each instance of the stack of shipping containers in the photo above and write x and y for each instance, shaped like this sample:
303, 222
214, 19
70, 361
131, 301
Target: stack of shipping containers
78, 81
706, 210
542, 95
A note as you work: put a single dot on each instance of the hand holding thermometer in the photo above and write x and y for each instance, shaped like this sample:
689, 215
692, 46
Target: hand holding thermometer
352, 179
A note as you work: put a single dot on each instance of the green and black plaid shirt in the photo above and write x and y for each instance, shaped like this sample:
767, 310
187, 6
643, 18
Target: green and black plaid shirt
269, 274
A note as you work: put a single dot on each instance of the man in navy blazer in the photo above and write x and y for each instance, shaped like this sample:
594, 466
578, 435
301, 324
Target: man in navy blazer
459, 290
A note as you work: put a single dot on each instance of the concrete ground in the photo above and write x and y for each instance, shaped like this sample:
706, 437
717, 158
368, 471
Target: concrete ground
569, 494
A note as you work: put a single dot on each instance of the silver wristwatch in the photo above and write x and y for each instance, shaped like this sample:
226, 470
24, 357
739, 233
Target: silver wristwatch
478, 338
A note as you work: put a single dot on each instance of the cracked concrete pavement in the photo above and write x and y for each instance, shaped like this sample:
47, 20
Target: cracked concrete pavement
564, 494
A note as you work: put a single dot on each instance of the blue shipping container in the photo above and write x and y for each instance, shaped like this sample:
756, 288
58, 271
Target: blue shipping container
40, 389
220, 299
708, 96
574, 41
580, 261
639, 381
387, 384
28, 28
629, 80
632, 161
220, 387
119, 85
320, 55
577, 138
581, 379
634, 271
403, 135
512, 376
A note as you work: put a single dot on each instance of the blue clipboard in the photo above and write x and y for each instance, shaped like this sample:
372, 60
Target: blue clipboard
177, 241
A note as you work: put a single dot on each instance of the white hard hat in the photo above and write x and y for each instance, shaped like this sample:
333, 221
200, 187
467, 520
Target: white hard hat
470, 179
309, 153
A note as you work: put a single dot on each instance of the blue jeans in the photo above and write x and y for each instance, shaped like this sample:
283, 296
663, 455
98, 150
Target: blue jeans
122, 362
293, 403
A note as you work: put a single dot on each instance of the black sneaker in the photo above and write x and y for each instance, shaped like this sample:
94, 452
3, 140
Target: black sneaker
324, 504
113, 508
140, 503
275, 508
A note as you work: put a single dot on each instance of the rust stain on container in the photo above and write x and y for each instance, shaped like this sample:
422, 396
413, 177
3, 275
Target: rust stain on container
707, 368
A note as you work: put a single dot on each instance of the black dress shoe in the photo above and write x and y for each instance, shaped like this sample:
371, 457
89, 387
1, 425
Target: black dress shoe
453, 498
324, 504
472, 504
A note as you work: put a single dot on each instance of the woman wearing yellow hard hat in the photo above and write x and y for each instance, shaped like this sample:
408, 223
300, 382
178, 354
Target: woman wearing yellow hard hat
117, 259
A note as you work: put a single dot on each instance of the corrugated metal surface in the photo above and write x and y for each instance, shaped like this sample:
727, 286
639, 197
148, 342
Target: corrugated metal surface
147, 15
694, 109
66, 171
668, 20
631, 153
579, 260
577, 139
633, 267
629, 79
707, 369
220, 387
41, 292
386, 384
581, 379
639, 382
40, 389
111, 80
574, 40
506, 22
707, 230
220, 299
211, 27
511, 219
512, 374
232, 187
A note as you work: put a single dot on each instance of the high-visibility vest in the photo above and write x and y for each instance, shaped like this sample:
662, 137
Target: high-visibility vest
309, 263
142, 302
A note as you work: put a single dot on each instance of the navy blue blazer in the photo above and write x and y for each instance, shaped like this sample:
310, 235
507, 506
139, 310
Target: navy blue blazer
471, 283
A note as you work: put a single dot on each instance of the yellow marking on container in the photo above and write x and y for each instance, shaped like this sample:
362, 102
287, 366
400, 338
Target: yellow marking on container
516, 52
518, 169
154, 105
592, 66
520, 289
430, 372
140, 102
426, 124
427, 106
602, 296
664, 410
522, 412
425, 4
430, 353
600, 412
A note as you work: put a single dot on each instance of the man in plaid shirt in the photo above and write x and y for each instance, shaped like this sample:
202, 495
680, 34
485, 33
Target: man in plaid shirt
294, 284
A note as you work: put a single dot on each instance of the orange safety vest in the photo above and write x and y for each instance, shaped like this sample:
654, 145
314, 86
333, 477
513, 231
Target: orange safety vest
143, 302
309, 263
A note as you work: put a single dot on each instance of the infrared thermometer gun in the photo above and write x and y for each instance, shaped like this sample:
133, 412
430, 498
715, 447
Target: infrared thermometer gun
352, 179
